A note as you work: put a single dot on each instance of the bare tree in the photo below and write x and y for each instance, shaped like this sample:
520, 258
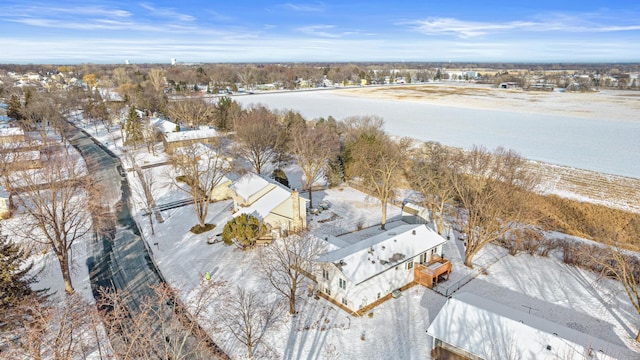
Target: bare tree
624, 266
15, 155
287, 261
56, 201
248, 316
313, 148
377, 161
144, 188
66, 329
192, 112
120, 76
160, 325
430, 174
156, 77
41, 114
259, 137
493, 190
201, 169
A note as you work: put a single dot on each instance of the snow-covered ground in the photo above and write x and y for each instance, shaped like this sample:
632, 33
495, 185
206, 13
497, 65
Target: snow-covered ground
604, 141
568, 296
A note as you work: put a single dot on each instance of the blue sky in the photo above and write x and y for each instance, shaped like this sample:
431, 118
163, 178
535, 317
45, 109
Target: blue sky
110, 31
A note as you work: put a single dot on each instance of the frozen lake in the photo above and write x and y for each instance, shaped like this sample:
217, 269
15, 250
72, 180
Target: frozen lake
605, 145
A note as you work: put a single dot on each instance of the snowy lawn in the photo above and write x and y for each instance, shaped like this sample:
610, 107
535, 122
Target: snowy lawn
545, 286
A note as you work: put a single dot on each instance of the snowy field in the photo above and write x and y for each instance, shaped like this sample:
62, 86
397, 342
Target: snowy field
602, 139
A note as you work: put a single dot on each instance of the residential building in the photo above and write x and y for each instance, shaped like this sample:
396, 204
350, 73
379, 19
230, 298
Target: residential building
368, 271
472, 327
5, 203
11, 135
281, 209
204, 134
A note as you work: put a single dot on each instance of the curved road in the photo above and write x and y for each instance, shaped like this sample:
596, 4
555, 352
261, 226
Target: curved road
120, 260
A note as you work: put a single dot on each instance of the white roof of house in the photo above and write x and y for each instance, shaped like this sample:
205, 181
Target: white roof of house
110, 94
4, 194
163, 125
390, 248
12, 131
17, 156
248, 185
495, 331
192, 135
265, 204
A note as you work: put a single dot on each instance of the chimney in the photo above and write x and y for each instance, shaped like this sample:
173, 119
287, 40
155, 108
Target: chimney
295, 207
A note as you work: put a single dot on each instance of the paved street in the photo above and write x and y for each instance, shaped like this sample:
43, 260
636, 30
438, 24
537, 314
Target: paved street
120, 261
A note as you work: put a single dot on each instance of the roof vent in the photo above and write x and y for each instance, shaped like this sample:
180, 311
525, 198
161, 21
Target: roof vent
413, 232
548, 347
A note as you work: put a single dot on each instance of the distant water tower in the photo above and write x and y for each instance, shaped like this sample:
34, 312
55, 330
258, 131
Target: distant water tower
173, 61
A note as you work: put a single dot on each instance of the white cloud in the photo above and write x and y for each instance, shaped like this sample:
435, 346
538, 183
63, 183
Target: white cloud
323, 31
316, 7
167, 13
247, 49
543, 23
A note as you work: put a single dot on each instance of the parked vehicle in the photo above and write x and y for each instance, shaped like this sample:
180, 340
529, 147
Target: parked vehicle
324, 205
214, 239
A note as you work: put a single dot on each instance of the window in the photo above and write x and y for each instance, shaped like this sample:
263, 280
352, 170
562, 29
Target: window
423, 258
325, 274
328, 291
344, 301
409, 264
343, 284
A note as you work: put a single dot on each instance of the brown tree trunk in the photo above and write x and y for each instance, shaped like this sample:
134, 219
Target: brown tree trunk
638, 336
150, 212
310, 199
384, 215
66, 274
292, 300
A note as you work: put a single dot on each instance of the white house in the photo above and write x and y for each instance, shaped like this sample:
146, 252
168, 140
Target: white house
282, 209
163, 125
360, 274
472, 327
204, 134
5, 203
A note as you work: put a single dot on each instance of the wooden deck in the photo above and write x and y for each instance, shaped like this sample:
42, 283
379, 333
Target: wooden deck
428, 274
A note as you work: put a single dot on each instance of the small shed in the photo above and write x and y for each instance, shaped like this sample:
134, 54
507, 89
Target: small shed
415, 214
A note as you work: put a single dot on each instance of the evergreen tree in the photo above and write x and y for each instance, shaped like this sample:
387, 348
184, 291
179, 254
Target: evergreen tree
245, 229
133, 127
14, 108
15, 284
